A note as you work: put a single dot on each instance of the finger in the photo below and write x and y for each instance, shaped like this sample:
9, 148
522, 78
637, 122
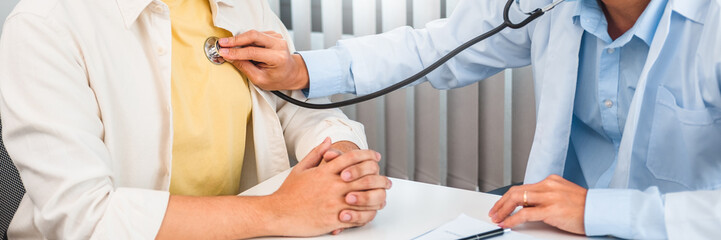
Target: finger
331, 154
313, 158
370, 182
513, 191
337, 231
359, 170
371, 200
273, 34
258, 54
250, 70
356, 218
531, 214
351, 158
508, 203
249, 38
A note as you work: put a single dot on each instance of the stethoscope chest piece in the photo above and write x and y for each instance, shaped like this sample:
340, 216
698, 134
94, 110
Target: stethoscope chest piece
211, 49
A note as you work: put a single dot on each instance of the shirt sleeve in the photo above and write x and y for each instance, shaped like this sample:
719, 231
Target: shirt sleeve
54, 134
367, 64
625, 213
305, 128
329, 73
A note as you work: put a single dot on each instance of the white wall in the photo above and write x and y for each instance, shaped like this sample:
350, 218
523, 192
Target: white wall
6, 6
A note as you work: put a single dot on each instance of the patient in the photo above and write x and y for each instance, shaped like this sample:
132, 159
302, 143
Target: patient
122, 129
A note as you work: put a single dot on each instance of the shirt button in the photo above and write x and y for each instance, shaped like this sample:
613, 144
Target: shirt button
608, 103
611, 50
161, 51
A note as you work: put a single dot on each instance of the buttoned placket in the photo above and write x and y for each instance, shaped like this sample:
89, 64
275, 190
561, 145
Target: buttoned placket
160, 37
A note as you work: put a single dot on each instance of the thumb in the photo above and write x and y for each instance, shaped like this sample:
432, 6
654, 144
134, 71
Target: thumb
314, 156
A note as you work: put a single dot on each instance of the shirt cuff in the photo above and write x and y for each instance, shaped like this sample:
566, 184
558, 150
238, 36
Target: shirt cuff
328, 71
608, 212
625, 213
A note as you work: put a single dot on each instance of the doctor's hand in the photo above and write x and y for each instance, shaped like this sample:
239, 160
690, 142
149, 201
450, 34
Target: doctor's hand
265, 59
312, 200
555, 201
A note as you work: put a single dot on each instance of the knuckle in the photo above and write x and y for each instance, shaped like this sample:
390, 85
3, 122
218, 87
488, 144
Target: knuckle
283, 56
375, 168
252, 52
351, 155
356, 217
555, 177
363, 198
366, 182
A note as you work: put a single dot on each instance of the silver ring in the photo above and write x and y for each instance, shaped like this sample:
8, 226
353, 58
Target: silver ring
211, 49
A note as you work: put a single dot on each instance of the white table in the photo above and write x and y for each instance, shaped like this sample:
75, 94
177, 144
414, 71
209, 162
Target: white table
415, 208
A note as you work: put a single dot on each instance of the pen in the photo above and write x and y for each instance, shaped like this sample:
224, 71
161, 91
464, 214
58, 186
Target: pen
486, 235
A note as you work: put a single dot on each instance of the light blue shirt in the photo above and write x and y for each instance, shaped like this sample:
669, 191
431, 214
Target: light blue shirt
607, 78
645, 153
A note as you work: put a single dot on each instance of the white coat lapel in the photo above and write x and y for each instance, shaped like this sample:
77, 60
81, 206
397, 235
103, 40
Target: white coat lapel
555, 106
271, 155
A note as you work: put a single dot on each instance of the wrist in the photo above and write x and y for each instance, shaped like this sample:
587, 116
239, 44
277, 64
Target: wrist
272, 215
258, 215
303, 79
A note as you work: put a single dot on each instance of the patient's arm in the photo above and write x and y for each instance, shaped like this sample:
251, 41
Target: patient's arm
307, 204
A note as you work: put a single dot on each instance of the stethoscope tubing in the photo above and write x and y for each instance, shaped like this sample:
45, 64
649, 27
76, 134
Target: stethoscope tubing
507, 23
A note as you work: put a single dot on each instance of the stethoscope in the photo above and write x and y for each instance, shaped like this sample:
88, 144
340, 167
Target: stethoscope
212, 47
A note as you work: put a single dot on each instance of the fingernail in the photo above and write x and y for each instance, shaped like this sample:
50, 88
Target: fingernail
224, 51
345, 176
501, 226
378, 156
327, 140
351, 199
223, 41
390, 184
345, 217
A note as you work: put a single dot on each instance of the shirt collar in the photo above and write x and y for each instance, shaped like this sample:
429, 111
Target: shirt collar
695, 10
648, 22
131, 9
590, 17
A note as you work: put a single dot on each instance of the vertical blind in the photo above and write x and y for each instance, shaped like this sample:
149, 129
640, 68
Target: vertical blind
477, 137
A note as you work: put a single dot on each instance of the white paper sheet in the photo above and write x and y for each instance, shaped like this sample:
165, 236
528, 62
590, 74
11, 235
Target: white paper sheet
464, 226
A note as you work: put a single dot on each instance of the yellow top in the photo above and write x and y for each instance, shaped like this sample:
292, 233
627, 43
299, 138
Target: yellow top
211, 107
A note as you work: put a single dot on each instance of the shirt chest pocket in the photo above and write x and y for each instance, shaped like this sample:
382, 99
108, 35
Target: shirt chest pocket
685, 145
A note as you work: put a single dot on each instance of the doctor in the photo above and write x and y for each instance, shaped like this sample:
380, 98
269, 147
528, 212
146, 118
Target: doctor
628, 140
